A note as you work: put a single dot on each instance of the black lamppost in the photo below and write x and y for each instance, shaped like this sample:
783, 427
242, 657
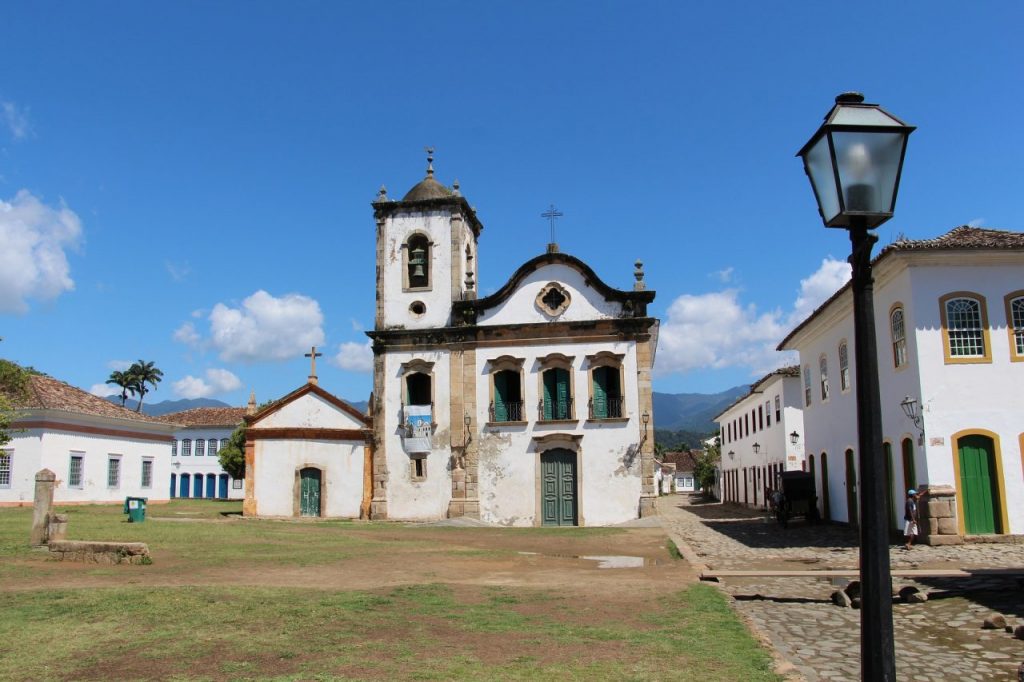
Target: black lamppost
854, 161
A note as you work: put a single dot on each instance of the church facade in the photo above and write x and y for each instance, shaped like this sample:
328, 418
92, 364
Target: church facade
527, 407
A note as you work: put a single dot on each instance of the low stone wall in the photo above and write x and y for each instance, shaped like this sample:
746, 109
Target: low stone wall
100, 552
937, 514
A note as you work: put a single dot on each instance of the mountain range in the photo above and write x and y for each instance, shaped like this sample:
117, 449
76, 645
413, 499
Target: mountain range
672, 411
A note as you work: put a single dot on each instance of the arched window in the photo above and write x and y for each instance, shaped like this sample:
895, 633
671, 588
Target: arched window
211, 449
844, 366
417, 389
506, 390
807, 385
898, 332
200, 447
417, 262
606, 399
556, 388
418, 405
1015, 324
965, 328
823, 372
186, 450
223, 443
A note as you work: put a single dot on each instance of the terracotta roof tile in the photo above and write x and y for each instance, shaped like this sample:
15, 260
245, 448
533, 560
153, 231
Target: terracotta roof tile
206, 416
685, 460
51, 394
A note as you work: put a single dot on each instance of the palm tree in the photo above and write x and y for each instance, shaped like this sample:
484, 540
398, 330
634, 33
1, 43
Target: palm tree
143, 373
125, 381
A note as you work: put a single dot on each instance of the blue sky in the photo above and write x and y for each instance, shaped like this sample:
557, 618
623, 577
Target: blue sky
190, 183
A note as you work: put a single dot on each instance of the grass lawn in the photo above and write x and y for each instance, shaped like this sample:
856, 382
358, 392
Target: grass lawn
241, 599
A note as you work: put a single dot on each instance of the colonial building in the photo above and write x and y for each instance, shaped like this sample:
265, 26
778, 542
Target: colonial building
195, 467
99, 451
949, 320
761, 435
527, 407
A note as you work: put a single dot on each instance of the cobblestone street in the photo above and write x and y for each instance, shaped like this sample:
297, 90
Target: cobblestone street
940, 639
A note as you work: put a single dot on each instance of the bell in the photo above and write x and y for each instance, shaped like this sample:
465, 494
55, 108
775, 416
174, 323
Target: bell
417, 262
417, 271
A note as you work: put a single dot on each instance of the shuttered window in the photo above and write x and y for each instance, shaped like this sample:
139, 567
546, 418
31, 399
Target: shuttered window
557, 396
200, 447
508, 405
607, 393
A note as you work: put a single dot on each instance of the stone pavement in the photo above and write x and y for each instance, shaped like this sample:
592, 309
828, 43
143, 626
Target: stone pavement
940, 639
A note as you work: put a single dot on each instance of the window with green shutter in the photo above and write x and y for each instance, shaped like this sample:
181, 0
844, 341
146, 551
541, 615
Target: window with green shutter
557, 395
607, 393
508, 405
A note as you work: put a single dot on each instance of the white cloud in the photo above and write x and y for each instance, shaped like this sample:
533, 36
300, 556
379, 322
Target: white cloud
724, 276
355, 357
357, 326
816, 289
266, 328
177, 271
976, 222
187, 334
104, 390
119, 365
217, 381
717, 330
33, 264
16, 120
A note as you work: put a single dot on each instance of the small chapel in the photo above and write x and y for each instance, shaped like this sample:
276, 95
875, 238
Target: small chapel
528, 407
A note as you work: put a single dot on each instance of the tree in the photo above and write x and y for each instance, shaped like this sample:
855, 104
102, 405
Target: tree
143, 373
14, 390
707, 463
7, 417
125, 382
232, 455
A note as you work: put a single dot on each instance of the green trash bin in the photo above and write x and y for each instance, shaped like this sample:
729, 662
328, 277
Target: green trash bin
135, 508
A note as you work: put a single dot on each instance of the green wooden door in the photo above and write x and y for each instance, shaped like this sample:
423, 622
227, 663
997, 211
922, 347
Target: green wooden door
600, 393
851, 489
826, 508
978, 485
309, 492
556, 394
501, 396
558, 488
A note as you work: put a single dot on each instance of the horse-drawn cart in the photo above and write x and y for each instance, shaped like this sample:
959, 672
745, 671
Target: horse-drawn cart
795, 495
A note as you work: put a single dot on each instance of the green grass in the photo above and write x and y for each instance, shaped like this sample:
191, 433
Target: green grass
133, 626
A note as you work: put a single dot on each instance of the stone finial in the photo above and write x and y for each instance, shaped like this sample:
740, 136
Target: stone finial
430, 161
469, 280
638, 273
382, 194
250, 409
455, 188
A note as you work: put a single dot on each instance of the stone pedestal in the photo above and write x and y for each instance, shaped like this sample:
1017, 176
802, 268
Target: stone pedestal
58, 529
937, 514
45, 482
647, 507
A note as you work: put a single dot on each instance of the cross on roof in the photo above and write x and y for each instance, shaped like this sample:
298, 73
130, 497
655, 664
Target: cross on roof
552, 214
313, 355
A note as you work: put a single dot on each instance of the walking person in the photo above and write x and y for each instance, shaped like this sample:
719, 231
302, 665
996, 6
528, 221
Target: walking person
910, 527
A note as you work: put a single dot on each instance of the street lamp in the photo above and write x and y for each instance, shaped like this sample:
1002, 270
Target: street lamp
764, 477
794, 438
854, 161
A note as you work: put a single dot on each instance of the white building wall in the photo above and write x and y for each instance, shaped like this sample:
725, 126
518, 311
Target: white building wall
952, 397
521, 307
205, 465
608, 475
341, 465
437, 225
36, 449
410, 499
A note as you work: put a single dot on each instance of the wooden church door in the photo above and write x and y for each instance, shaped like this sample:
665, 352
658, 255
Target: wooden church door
558, 487
309, 494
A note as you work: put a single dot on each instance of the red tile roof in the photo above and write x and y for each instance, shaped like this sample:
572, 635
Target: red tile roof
43, 392
206, 416
685, 460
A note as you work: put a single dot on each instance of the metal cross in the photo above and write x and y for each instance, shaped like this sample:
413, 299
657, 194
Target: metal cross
313, 355
552, 214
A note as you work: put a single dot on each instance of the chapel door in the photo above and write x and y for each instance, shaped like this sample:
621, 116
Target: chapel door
978, 485
558, 488
309, 492
851, 489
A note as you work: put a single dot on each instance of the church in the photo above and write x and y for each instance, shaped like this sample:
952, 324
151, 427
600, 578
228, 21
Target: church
527, 407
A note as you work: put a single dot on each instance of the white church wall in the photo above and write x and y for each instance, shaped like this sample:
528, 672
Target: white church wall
410, 499
437, 226
608, 489
310, 410
276, 464
521, 307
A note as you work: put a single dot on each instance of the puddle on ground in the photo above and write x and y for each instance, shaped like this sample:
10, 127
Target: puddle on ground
603, 561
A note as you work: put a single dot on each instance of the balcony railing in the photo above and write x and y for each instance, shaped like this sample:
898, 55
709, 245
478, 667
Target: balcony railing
511, 411
612, 408
558, 409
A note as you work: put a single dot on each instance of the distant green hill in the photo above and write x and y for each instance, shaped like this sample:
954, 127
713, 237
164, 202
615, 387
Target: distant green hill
692, 412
